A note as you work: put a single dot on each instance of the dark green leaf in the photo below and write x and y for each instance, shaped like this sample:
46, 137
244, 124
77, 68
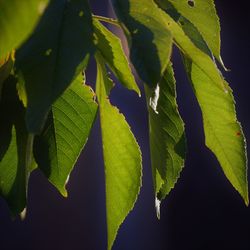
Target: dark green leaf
16, 160
56, 53
122, 158
17, 21
149, 40
65, 134
167, 136
111, 50
6, 65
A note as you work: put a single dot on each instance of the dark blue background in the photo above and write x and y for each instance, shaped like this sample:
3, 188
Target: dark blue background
203, 212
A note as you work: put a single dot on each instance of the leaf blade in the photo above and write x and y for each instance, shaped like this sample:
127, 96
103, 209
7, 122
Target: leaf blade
167, 136
149, 40
54, 56
22, 18
223, 133
16, 157
58, 147
122, 158
110, 47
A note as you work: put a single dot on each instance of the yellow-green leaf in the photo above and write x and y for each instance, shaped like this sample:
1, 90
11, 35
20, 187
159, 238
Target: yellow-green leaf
122, 158
110, 47
17, 21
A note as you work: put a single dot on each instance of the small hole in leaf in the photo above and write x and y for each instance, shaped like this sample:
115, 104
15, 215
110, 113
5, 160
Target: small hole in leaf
182, 23
191, 3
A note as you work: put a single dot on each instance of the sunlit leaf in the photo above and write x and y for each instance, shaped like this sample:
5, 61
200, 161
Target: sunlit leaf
111, 50
122, 158
223, 133
167, 136
187, 47
65, 134
57, 52
202, 14
149, 40
17, 21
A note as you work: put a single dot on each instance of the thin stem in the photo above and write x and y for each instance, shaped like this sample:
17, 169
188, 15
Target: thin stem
107, 20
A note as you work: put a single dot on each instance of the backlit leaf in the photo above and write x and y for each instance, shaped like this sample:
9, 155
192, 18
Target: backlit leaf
202, 14
149, 40
122, 158
16, 161
57, 52
17, 21
65, 134
201, 59
223, 133
111, 50
167, 136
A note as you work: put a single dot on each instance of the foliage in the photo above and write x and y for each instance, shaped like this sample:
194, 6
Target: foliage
47, 110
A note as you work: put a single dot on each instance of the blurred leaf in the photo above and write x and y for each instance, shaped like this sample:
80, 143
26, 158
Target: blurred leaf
17, 21
167, 136
202, 14
111, 50
6, 65
16, 161
57, 52
65, 134
149, 40
122, 157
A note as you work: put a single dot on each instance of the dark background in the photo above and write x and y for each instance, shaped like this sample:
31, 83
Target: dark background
203, 211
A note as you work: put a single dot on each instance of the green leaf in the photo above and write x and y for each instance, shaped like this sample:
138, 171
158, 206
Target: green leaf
17, 21
57, 52
6, 65
65, 134
223, 133
201, 59
149, 40
167, 136
202, 14
122, 157
16, 161
110, 47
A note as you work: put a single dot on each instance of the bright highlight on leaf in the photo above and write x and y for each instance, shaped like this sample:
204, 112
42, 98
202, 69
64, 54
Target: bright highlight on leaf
122, 157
